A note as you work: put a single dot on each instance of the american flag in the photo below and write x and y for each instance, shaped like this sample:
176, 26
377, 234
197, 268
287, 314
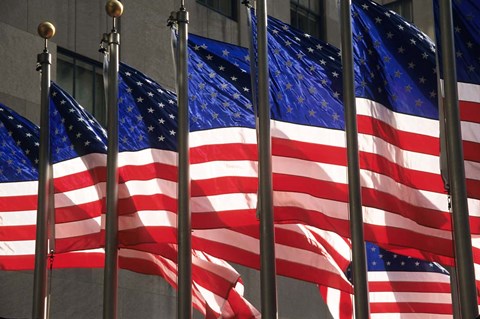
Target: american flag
397, 105
223, 170
18, 186
398, 133
19, 207
466, 23
214, 281
399, 287
467, 45
82, 141
78, 146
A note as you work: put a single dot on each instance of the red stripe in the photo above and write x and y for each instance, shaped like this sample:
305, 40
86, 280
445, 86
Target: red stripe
20, 232
223, 152
409, 177
309, 151
80, 180
380, 234
151, 235
405, 286
87, 241
137, 203
79, 212
404, 140
18, 203
410, 307
225, 219
224, 185
469, 111
471, 151
473, 188
69, 260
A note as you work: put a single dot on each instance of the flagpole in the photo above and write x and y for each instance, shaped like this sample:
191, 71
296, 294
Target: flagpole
110, 281
460, 217
184, 299
267, 235
39, 310
359, 265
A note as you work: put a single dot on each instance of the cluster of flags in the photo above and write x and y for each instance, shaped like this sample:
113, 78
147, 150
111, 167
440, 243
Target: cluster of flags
406, 213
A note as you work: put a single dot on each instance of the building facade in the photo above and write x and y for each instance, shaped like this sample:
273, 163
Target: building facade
145, 45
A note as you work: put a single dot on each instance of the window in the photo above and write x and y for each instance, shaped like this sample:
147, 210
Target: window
228, 8
403, 8
83, 79
306, 15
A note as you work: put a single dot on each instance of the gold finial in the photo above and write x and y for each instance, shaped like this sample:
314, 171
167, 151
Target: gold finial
114, 8
46, 30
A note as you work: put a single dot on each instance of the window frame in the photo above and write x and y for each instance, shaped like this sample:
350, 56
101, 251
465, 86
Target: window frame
215, 7
299, 9
98, 111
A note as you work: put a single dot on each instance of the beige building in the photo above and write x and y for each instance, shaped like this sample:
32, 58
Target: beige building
145, 45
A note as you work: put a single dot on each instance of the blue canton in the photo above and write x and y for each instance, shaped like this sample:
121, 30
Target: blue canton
394, 62
19, 147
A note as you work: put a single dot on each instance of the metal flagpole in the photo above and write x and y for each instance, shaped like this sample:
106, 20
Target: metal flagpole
456, 171
184, 300
359, 267
110, 280
39, 310
267, 234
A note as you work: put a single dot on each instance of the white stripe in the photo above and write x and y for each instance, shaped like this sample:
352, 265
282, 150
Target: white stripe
408, 276
402, 122
214, 169
339, 210
214, 301
148, 187
229, 135
18, 218
308, 134
15, 189
223, 202
80, 196
78, 228
147, 218
472, 169
333, 302
79, 164
283, 252
416, 197
434, 298
470, 131
310, 169
407, 159
468, 92
19, 247
409, 316
369, 179
147, 156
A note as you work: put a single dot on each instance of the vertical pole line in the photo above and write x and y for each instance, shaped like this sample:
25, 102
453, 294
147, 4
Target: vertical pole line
359, 269
454, 293
110, 278
40, 286
184, 299
267, 235
460, 217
